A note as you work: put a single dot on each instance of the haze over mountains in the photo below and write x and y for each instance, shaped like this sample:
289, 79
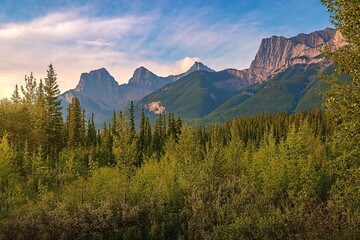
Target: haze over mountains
282, 77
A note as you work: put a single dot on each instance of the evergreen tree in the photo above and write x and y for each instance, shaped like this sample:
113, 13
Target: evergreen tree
54, 124
15, 97
91, 132
106, 145
83, 129
178, 125
30, 89
141, 138
40, 119
114, 123
124, 150
147, 136
156, 138
131, 122
40, 93
74, 123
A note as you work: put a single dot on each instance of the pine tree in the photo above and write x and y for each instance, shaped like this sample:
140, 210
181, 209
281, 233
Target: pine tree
106, 145
74, 124
131, 122
91, 138
147, 136
178, 126
156, 138
124, 150
39, 114
30, 89
15, 97
54, 124
114, 123
83, 129
40, 93
141, 138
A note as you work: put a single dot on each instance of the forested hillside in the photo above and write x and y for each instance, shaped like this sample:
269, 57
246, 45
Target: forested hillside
267, 176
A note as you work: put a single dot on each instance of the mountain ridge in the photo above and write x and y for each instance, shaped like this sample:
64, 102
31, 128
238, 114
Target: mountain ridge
100, 93
275, 55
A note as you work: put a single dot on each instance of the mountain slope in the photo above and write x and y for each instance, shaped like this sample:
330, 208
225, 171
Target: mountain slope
296, 89
192, 96
99, 92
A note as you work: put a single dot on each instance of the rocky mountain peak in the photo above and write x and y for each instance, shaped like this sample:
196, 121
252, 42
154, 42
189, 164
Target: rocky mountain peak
278, 53
197, 66
142, 74
95, 80
200, 66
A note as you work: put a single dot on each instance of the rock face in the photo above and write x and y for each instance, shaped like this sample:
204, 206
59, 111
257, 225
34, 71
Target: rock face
278, 53
100, 85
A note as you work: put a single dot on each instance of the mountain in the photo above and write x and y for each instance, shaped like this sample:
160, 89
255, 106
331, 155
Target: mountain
278, 53
282, 77
100, 93
295, 89
192, 96
197, 66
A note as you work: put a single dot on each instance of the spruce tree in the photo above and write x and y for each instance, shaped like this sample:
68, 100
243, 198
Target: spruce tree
131, 122
91, 137
114, 123
15, 97
40, 117
147, 136
74, 124
54, 124
141, 138
30, 89
83, 129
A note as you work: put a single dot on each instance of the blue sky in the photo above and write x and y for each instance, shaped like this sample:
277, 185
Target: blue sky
164, 36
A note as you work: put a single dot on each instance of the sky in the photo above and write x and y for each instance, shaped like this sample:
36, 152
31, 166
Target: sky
166, 37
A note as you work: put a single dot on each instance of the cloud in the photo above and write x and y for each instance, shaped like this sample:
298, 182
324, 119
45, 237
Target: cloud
76, 42
184, 64
73, 43
221, 44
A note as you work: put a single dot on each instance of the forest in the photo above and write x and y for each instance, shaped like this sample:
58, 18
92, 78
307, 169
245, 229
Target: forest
261, 177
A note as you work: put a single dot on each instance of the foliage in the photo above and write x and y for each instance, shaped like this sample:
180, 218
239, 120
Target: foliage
261, 177
343, 105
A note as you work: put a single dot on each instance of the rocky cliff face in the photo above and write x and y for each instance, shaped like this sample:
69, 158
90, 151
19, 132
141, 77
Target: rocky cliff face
99, 85
278, 53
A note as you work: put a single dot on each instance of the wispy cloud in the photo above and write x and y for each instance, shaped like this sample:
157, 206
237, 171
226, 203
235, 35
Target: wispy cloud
75, 43
72, 42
